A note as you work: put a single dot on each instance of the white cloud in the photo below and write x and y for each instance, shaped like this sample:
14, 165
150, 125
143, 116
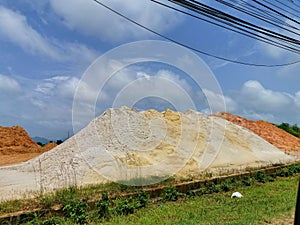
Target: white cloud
59, 86
9, 86
254, 101
14, 28
297, 99
253, 95
131, 85
219, 103
92, 19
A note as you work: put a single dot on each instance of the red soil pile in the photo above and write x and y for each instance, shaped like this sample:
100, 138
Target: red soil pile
49, 146
16, 140
274, 135
17, 146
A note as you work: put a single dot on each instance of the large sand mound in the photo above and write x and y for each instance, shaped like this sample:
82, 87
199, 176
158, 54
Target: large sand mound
274, 135
123, 145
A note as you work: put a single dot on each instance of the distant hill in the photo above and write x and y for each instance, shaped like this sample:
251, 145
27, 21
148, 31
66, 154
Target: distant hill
41, 139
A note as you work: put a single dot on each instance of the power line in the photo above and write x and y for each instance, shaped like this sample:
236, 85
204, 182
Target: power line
189, 47
261, 16
230, 27
215, 14
297, 11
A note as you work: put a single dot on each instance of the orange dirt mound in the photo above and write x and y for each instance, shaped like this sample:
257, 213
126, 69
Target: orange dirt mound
14, 140
274, 135
49, 146
17, 146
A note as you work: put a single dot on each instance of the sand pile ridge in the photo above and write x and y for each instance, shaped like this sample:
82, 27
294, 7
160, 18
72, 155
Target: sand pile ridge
126, 146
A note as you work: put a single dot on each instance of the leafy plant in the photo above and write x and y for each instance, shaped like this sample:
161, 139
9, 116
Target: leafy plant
52, 221
228, 184
76, 211
211, 187
142, 199
170, 194
103, 206
247, 181
284, 172
125, 206
260, 177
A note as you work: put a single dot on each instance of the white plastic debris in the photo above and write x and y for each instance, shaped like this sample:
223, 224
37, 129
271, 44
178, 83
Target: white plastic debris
236, 195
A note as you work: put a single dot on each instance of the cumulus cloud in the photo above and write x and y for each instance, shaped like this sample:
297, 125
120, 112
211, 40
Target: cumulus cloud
132, 85
92, 19
254, 101
9, 86
15, 28
260, 98
219, 103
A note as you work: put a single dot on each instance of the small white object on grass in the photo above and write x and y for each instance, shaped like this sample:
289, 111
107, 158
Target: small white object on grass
236, 195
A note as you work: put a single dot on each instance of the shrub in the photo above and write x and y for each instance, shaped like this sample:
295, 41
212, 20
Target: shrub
75, 210
260, 177
171, 194
247, 181
228, 184
211, 187
284, 172
103, 206
52, 221
125, 206
142, 199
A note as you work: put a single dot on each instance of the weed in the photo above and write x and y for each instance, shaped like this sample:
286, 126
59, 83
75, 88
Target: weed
103, 206
247, 181
260, 177
284, 172
75, 210
170, 194
52, 221
142, 199
125, 206
228, 184
211, 187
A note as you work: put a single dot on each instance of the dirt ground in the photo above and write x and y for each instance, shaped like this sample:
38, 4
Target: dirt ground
17, 158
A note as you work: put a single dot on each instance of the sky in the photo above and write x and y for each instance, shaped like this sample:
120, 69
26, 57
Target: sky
46, 47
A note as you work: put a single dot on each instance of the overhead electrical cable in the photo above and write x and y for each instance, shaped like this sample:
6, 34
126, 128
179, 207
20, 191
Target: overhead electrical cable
190, 47
262, 12
230, 27
218, 15
279, 13
260, 16
297, 11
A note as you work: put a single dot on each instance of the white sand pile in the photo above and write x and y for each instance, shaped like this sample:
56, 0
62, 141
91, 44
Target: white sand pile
129, 146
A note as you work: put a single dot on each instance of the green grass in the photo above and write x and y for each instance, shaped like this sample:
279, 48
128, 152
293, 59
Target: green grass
261, 204
266, 198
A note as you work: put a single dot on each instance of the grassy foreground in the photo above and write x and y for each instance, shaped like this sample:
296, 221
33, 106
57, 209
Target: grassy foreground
263, 203
267, 203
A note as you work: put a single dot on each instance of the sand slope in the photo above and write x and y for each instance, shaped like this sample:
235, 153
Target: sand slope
123, 145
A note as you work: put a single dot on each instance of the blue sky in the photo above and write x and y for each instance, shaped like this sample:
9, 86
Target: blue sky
46, 45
